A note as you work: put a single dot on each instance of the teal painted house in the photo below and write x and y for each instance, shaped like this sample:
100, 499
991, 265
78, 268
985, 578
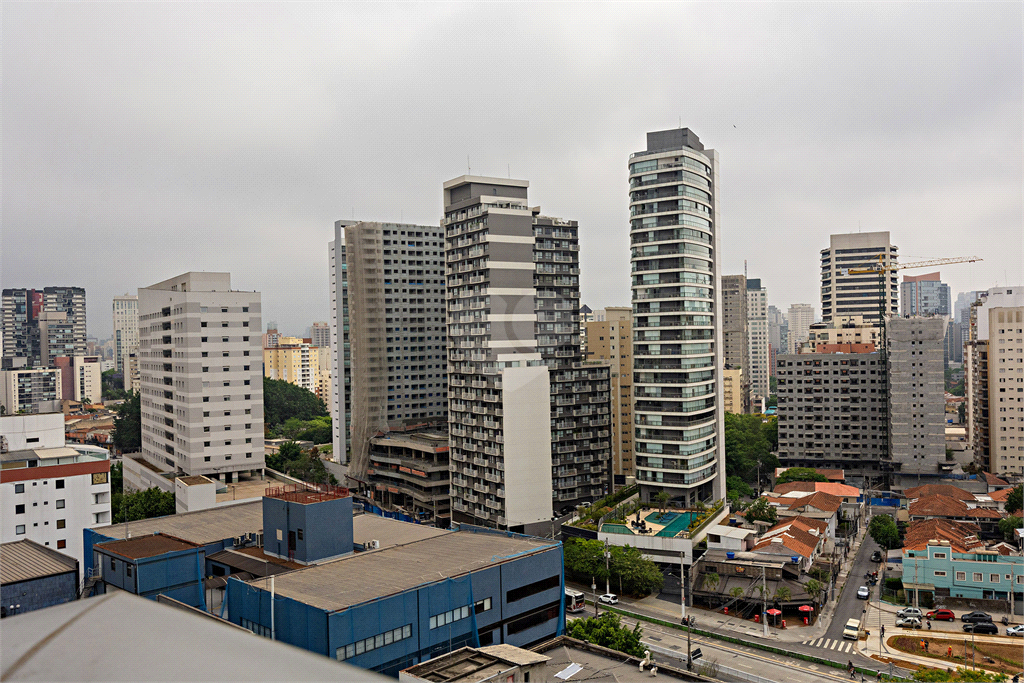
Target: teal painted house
942, 570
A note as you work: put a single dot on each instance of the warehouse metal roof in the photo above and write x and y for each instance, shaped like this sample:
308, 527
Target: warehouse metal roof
349, 581
202, 526
25, 560
139, 547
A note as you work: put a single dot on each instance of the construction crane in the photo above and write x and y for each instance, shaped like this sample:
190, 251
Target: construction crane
883, 269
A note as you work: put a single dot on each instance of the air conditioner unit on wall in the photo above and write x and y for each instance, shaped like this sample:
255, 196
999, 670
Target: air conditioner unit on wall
373, 545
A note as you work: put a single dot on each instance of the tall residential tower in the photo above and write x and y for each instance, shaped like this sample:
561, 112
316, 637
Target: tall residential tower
677, 346
846, 294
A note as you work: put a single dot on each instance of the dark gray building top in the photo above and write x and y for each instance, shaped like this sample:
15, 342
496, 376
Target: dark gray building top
26, 560
675, 138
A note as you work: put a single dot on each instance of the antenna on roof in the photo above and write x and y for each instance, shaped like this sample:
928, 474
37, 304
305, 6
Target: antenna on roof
468, 170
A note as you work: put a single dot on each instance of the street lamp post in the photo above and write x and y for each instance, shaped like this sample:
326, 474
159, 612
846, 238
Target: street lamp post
607, 569
593, 587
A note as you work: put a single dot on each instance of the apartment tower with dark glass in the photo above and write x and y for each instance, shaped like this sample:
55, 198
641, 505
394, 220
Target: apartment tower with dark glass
529, 421
677, 327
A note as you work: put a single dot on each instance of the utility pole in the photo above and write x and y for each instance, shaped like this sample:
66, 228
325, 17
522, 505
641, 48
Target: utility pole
607, 569
764, 604
682, 593
689, 659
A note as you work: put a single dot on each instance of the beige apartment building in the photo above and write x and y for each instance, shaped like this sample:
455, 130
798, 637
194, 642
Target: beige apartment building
610, 338
843, 330
296, 361
734, 390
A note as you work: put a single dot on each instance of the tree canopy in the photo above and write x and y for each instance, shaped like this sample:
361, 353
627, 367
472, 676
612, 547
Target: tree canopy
607, 631
306, 466
283, 400
635, 575
762, 511
127, 434
1013, 501
141, 505
883, 529
749, 441
799, 474
1007, 525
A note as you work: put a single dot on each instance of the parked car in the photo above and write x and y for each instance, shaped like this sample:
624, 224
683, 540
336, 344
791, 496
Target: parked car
876, 556
942, 615
909, 622
982, 627
910, 612
863, 593
975, 617
610, 599
1015, 630
852, 629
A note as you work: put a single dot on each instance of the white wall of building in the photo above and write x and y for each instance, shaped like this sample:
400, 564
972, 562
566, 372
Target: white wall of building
526, 400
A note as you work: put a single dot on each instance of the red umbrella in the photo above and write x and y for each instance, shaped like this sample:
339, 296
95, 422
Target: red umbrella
805, 608
774, 612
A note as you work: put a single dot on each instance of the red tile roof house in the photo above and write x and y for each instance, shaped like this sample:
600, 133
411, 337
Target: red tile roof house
819, 506
939, 506
794, 537
852, 502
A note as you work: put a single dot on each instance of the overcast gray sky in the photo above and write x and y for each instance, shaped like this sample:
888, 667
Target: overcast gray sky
141, 140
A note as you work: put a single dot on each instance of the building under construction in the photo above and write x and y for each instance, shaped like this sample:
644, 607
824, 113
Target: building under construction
390, 330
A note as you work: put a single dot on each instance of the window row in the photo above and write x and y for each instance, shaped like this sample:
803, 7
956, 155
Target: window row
373, 642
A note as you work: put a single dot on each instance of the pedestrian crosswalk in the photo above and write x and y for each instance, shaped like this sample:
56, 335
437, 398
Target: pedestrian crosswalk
829, 644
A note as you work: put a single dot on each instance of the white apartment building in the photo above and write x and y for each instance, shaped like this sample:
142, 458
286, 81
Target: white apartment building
801, 317
844, 293
50, 492
341, 359
201, 376
88, 379
126, 330
757, 330
35, 390
1000, 323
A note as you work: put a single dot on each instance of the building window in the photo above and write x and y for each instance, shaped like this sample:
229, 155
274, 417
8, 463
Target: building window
19, 509
940, 556
60, 483
299, 533
206, 458
978, 577
529, 589
60, 503
64, 544
113, 564
961, 576
993, 578
258, 629
939, 573
449, 617
19, 488
128, 570
61, 523
373, 642
20, 529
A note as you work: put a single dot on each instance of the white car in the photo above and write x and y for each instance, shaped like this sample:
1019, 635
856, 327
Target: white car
1015, 630
910, 612
863, 593
909, 622
609, 599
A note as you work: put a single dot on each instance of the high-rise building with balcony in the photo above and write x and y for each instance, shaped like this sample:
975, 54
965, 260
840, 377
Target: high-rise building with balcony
126, 331
801, 317
757, 326
677, 339
529, 421
41, 325
846, 294
390, 312
924, 295
611, 339
736, 338
201, 376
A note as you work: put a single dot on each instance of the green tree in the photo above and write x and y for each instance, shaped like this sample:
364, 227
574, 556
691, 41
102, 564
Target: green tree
741, 487
782, 594
711, 581
773, 401
117, 478
883, 529
961, 412
318, 430
1013, 501
142, 505
814, 589
799, 474
749, 442
629, 569
112, 386
282, 400
662, 498
607, 631
127, 434
761, 511
1007, 525
736, 592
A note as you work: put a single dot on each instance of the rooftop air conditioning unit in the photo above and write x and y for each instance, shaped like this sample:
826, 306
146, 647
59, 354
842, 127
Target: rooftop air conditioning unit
373, 545
259, 540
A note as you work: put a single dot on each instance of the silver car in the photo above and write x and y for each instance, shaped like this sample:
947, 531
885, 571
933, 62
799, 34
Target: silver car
863, 593
909, 622
910, 612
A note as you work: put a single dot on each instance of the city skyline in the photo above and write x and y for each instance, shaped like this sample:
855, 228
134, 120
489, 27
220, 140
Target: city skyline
268, 134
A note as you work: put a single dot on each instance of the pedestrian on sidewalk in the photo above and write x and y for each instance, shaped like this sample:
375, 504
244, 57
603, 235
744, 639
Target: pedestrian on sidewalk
922, 644
949, 652
925, 645
883, 630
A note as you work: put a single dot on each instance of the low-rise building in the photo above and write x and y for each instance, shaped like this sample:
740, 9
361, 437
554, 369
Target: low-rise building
795, 537
409, 472
817, 506
33, 576
50, 492
943, 568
